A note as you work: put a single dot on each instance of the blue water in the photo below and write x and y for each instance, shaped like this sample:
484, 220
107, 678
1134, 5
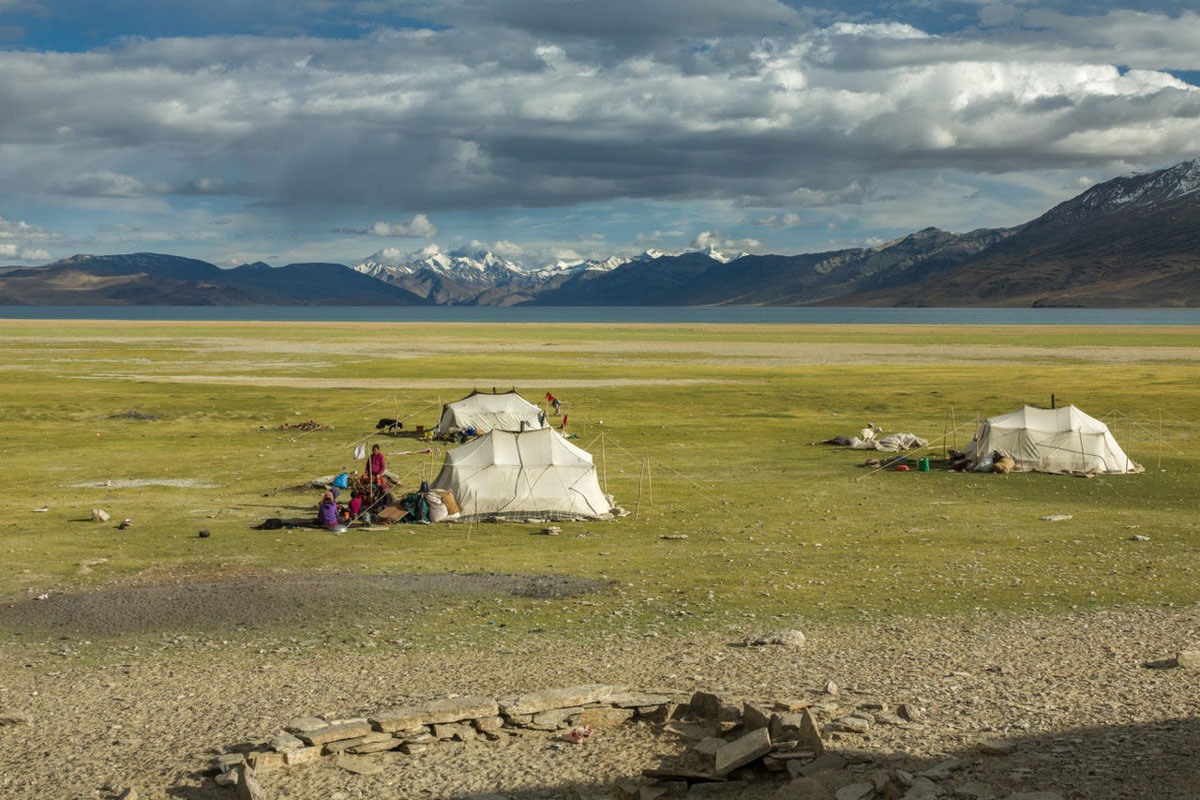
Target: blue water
638, 314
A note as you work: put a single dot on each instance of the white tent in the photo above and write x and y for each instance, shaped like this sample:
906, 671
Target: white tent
1049, 440
510, 475
484, 412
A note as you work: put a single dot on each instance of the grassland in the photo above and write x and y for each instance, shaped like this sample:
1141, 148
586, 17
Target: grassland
725, 417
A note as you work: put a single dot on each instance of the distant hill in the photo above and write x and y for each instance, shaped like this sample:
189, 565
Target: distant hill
159, 279
1131, 241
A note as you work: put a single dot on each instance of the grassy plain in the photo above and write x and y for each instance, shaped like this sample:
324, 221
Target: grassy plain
776, 527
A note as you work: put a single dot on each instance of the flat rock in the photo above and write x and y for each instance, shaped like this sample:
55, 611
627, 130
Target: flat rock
556, 718
783, 637
889, 719
742, 750
1188, 659
688, 730
922, 789
754, 717
303, 724
823, 763
451, 709
489, 724
908, 712
809, 734
854, 724
855, 791
604, 717
302, 756
1055, 517
374, 747
709, 745
359, 766
285, 743
637, 699
942, 769
537, 702
997, 747
265, 762
333, 733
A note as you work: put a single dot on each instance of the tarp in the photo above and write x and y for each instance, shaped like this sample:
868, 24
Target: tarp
1049, 440
535, 474
507, 411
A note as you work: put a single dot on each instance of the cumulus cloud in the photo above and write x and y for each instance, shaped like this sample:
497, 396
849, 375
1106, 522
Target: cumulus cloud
16, 229
12, 252
419, 226
778, 221
713, 239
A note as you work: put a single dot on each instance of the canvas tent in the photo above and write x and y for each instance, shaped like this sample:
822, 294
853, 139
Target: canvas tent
1049, 440
512, 475
507, 411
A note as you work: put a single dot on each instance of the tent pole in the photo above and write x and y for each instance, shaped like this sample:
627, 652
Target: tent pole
1160, 438
954, 427
637, 510
1082, 455
649, 481
945, 432
604, 463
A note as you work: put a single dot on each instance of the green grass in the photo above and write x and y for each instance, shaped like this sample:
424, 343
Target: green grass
776, 528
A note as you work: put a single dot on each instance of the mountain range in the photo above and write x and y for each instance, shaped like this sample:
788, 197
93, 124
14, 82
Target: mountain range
1133, 241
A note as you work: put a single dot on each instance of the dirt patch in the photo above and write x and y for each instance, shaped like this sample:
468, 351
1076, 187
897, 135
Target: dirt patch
277, 598
137, 483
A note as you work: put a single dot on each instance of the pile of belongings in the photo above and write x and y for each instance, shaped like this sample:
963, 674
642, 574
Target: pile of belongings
870, 438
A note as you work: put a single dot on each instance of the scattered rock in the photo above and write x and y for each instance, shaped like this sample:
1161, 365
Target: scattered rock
1137, 537
742, 750
1188, 659
784, 637
1055, 517
997, 747
674, 536
853, 725
855, 791
831, 688
536, 702
908, 712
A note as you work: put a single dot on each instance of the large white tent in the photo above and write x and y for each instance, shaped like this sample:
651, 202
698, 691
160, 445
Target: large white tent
1049, 440
507, 411
512, 475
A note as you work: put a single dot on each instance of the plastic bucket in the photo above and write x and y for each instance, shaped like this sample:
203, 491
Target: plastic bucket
922, 465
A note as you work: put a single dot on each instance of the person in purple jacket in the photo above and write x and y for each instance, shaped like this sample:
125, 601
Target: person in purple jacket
375, 462
327, 512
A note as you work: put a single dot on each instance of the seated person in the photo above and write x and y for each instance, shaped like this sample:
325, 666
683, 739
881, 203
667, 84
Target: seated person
327, 511
356, 502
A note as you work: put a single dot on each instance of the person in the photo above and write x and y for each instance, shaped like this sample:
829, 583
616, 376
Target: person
557, 406
356, 499
384, 492
375, 464
327, 511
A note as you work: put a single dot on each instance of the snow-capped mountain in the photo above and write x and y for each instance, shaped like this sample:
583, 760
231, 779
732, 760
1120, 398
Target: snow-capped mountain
1126, 192
483, 270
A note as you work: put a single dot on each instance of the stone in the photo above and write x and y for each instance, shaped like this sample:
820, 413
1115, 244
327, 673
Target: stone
453, 709
709, 745
974, 790
824, 763
265, 762
1034, 796
809, 734
302, 756
374, 747
1055, 517
705, 705
537, 702
853, 725
921, 789
229, 760
688, 730
783, 637
332, 733
420, 736
342, 745
651, 792
855, 791
831, 688
791, 705
359, 766
284, 743
1188, 659
302, 724
14, 718
908, 712
248, 787
637, 700
488, 724
804, 789
625, 789
741, 751
605, 717
100, 515
453, 730
997, 747
942, 769
555, 718
659, 714
226, 780
413, 748
754, 717
1137, 537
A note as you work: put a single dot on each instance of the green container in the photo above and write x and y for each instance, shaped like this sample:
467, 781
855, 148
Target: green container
922, 465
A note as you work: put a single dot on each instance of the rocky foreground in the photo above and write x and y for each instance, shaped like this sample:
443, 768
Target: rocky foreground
1091, 705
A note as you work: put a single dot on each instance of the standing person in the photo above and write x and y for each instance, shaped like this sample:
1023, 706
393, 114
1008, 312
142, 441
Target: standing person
557, 406
375, 464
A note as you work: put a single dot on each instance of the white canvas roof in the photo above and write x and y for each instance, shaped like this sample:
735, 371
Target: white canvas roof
536, 473
1049, 440
485, 412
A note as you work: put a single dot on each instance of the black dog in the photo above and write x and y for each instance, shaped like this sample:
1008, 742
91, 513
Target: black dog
389, 425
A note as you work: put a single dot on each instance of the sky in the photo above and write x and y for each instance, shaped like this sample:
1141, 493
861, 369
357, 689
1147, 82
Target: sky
331, 130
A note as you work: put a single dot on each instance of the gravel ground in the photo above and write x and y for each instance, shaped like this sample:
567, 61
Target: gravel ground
1088, 718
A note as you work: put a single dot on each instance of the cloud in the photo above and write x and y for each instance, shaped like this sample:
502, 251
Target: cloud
15, 229
419, 226
103, 184
12, 252
778, 221
713, 239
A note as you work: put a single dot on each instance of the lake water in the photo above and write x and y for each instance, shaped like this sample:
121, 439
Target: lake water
624, 314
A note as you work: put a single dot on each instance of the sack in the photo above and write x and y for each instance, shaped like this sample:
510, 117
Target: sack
448, 498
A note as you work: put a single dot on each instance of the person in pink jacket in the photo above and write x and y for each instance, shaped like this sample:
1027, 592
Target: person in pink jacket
375, 463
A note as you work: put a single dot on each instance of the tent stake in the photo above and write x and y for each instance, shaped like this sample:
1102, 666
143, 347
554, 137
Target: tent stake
637, 510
